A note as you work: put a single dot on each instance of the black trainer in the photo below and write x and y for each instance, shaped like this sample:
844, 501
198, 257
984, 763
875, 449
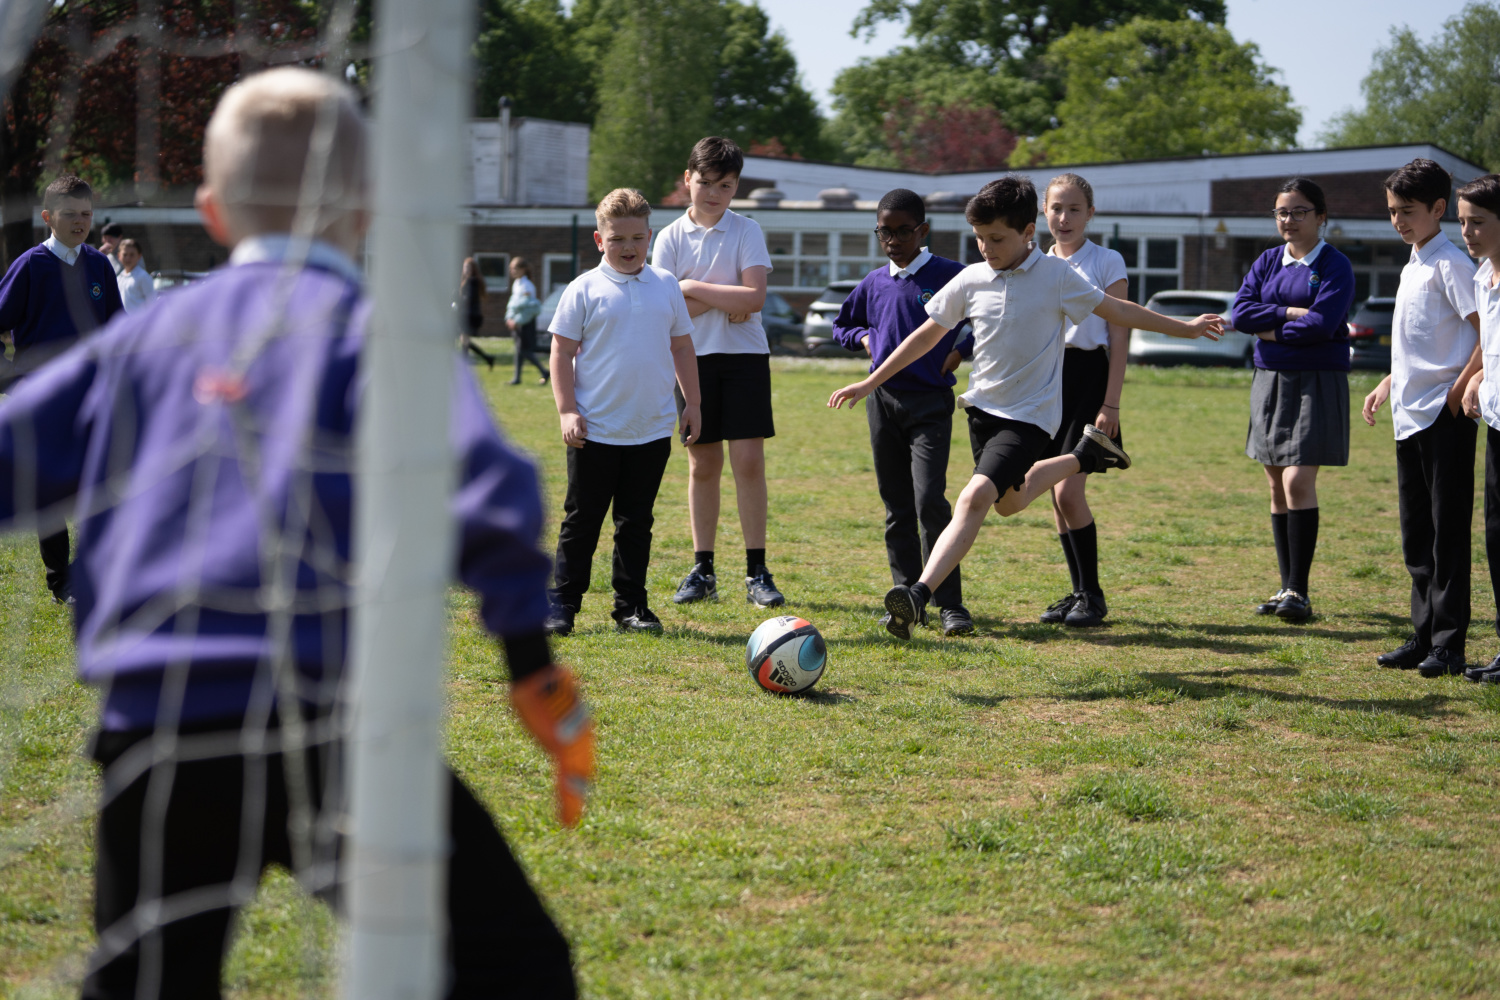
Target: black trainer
885, 619
697, 586
903, 611
1058, 610
639, 620
1404, 657
1441, 662
1477, 672
559, 620
761, 591
956, 621
64, 594
1088, 611
1272, 603
1107, 454
1294, 607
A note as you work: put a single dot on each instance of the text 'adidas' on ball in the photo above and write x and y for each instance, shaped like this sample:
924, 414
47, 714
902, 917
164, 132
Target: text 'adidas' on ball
786, 654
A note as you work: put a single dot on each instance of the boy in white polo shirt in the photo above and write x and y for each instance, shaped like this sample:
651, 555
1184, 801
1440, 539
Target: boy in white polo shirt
1434, 353
621, 336
721, 259
1018, 299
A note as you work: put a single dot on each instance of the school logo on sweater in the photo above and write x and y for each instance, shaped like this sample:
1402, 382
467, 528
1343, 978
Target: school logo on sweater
96, 291
927, 294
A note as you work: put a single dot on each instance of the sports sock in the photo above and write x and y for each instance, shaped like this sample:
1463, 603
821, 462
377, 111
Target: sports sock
705, 561
1085, 542
1072, 557
1302, 541
1087, 462
755, 560
921, 593
1283, 559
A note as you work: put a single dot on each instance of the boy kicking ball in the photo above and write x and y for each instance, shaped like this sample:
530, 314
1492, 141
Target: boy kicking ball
1018, 299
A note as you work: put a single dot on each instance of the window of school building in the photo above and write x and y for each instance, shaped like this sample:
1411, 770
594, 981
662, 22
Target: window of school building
1152, 264
811, 259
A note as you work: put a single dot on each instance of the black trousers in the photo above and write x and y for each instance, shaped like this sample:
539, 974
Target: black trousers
910, 433
1492, 512
501, 942
525, 342
601, 475
1435, 483
55, 558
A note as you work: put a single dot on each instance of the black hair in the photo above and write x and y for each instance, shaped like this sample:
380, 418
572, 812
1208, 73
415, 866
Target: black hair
112, 229
1484, 192
1420, 180
716, 158
66, 186
1308, 189
903, 200
1011, 199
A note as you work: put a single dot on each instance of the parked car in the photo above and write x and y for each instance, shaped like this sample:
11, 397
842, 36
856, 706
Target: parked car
549, 309
1234, 348
1370, 334
783, 326
817, 329
171, 279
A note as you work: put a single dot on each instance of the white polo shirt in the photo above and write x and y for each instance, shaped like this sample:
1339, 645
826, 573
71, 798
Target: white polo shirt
622, 373
717, 254
1431, 339
137, 288
1487, 300
1102, 267
1018, 319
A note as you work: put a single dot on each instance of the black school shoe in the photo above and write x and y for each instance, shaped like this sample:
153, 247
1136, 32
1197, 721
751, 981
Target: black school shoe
1272, 603
1441, 662
761, 591
1477, 672
902, 611
1405, 657
639, 620
64, 594
885, 619
1058, 610
559, 620
1106, 454
1088, 611
1294, 607
956, 621
697, 586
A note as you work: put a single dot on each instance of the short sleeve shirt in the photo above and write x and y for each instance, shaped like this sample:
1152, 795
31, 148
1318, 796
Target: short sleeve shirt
717, 255
1431, 337
1103, 267
1487, 300
623, 373
1019, 317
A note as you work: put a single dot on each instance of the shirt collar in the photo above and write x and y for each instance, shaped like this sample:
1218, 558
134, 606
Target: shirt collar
1088, 246
619, 277
276, 248
1287, 260
61, 252
720, 226
1025, 265
910, 270
1433, 246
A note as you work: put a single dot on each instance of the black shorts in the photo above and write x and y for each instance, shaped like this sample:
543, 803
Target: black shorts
1004, 450
1085, 379
736, 392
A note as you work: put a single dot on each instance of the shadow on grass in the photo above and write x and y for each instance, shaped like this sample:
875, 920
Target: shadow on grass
1247, 672
1176, 635
980, 700
826, 697
1182, 685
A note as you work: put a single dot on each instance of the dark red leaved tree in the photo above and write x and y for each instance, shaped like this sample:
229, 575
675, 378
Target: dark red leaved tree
932, 137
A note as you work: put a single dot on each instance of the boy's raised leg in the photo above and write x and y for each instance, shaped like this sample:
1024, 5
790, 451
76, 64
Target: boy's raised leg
905, 603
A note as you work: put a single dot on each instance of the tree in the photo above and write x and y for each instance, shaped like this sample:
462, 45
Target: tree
759, 99
1164, 88
527, 50
948, 137
1446, 93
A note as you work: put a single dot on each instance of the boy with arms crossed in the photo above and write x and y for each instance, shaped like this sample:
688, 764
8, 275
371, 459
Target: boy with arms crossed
720, 258
1018, 300
56, 292
621, 338
911, 417
1434, 354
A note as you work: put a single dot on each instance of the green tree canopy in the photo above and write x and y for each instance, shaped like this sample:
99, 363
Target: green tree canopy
1164, 88
526, 50
1446, 93
758, 94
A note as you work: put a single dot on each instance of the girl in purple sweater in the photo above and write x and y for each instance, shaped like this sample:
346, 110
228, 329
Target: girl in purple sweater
1296, 299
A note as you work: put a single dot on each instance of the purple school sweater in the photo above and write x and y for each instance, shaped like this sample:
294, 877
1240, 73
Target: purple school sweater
1318, 341
170, 489
889, 309
47, 304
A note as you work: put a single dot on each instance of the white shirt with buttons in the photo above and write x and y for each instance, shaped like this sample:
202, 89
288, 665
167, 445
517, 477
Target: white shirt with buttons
1431, 337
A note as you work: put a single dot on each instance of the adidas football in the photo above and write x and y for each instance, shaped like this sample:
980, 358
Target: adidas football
786, 654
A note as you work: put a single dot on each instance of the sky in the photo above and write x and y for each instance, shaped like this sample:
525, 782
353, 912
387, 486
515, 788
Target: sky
1322, 47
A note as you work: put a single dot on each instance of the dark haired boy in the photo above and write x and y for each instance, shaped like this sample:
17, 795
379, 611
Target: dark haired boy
110, 238
1434, 354
1018, 299
53, 294
721, 261
911, 416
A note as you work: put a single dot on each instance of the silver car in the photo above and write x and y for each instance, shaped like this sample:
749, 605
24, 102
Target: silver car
1235, 348
817, 328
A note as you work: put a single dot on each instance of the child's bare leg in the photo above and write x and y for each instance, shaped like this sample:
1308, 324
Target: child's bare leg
1070, 505
1042, 477
705, 467
954, 543
747, 458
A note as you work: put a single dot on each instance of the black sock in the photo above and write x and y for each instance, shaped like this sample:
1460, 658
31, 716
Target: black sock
1301, 542
921, 593
1072, 558
755, 561
705, 561
1087, 462
1085, 542
1283, 557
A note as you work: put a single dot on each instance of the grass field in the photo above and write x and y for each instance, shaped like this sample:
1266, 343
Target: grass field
1192, 802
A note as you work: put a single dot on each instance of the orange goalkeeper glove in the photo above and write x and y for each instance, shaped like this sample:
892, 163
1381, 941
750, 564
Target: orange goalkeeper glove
551, 707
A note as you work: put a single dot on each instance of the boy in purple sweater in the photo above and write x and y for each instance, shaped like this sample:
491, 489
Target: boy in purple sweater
59, 290
207, 443
911, 415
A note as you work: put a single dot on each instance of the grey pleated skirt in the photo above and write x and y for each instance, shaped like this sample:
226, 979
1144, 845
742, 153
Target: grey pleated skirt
1299, 418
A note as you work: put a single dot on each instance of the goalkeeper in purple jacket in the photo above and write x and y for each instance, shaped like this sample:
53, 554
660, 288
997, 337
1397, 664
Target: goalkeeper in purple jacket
205, 446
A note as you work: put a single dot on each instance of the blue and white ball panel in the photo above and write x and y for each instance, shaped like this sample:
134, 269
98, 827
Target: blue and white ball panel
786, 654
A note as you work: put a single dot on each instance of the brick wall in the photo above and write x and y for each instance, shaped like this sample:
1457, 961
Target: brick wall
1350, 195
533, 243
1206, 267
